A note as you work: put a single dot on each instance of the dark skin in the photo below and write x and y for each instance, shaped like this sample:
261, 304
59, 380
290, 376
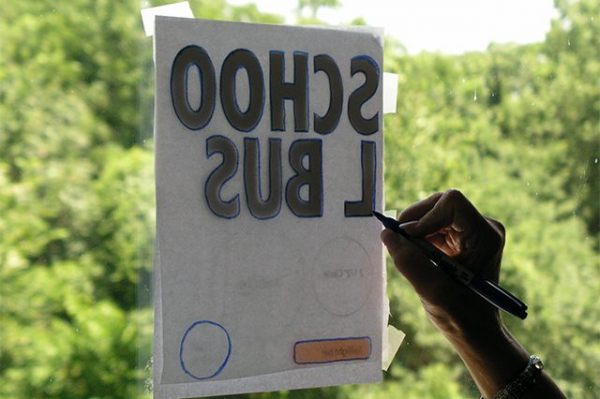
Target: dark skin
474, 328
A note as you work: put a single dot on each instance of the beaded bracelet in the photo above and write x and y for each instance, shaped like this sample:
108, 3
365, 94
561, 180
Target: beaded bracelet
523, 382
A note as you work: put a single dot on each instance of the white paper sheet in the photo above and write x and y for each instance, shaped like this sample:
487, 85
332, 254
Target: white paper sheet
270, 272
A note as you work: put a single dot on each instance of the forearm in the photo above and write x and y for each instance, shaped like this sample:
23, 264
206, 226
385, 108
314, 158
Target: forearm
494, 359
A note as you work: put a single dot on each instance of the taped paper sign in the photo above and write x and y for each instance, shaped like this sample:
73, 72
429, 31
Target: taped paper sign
270, 272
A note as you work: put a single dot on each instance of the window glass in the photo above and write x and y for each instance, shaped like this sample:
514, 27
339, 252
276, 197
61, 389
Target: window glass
514, 126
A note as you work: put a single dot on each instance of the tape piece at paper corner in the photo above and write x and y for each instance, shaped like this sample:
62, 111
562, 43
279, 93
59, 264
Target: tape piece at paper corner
181, 10
390, 92
394, 340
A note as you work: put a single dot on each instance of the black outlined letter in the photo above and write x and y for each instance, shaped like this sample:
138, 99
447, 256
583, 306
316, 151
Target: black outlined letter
189, 57
311, 176
220, 175
247, 120
367, 66
281, 91
270, 207
366, 205
327, 123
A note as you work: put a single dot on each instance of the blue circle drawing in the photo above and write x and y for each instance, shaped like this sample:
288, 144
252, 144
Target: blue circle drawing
221, 365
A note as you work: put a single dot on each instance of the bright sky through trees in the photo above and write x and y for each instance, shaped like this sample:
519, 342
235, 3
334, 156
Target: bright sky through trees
451, 27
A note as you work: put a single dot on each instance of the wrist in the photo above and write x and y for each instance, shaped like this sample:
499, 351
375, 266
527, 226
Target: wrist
461, 323
524, 381
491, 354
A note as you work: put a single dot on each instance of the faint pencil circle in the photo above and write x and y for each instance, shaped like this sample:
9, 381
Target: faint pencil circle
343, 275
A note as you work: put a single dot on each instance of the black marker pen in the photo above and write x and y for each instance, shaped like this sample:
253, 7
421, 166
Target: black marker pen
485, 288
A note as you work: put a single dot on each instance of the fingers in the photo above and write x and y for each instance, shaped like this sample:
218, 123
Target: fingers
442, 210
453, 224
418, 209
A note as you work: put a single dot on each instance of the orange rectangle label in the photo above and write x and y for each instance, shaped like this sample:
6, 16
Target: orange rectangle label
332, 350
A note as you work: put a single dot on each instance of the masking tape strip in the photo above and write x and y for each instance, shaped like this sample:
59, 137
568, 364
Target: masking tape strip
181, 10
395, 338
390, 92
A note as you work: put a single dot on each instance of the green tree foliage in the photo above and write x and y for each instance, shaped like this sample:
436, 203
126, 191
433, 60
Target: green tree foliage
313, 6
515, 127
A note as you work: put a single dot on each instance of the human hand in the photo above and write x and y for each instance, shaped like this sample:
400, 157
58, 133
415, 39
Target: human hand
473, 326
451, 223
